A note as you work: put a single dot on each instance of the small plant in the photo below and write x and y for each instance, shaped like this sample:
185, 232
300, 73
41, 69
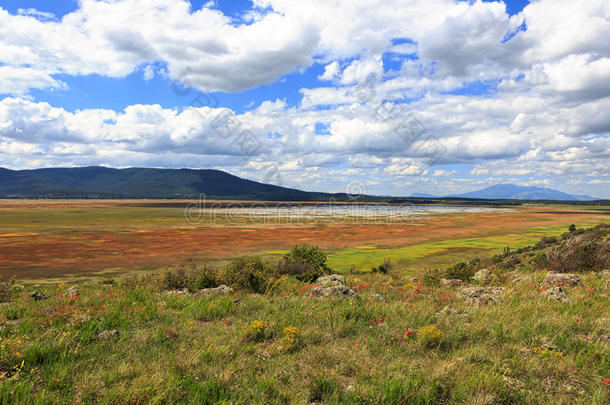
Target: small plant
256, 331
430, 336
6, 289
291, 340
543, 351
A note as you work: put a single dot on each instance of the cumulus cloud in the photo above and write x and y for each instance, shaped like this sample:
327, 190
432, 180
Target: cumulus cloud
544, 113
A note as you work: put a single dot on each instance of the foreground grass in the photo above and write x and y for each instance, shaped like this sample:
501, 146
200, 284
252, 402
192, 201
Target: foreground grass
186, 349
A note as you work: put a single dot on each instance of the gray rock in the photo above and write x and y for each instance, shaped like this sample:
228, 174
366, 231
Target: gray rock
483, 276
521, 278
454, 282
183, 291
481, 295
378, 297
338, 291
333, 279
109, 334
72, 291
37, 296
220, 290
557, 294
562, 279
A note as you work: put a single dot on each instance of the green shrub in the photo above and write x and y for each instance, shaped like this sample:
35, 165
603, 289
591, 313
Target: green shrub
384, 267
305, 262
191, 277
248, 274
579, 253
430, 336
6, 289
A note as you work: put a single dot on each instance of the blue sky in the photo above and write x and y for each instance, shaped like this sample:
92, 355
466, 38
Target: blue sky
308, 82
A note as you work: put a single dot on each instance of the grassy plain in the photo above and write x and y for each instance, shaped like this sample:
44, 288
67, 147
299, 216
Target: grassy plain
60, 240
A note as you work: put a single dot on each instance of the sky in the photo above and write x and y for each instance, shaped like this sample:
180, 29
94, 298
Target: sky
383, 97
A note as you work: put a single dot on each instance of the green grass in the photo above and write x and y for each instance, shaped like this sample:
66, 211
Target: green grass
180, 349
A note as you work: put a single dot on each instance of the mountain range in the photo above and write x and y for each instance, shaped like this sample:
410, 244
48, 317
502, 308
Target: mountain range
104, 182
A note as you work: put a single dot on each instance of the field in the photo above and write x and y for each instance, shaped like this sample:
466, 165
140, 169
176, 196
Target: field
388, 337
62, 240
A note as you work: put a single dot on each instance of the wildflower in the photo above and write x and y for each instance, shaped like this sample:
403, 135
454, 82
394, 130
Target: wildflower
357, 344
579, 321
314, 306
407, 334
225, 322
607, 381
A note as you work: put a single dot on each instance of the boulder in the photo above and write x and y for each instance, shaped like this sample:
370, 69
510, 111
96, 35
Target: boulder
521, 278
183, 291
454, 282
482, 276
557, 294
37, 296
481, 295
337, 290
377, 297
333, 279
71, 292
562, 279
220, 290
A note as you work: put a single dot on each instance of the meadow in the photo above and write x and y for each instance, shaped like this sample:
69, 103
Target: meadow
395, 335
47, 240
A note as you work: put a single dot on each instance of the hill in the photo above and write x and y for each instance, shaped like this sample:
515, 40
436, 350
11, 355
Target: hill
103, 182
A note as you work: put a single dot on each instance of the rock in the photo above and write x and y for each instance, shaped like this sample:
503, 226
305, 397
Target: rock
183, 291
332, 279
521, 278
448, 311
483, 276
606, 273
454, 282
108, 334
561, 279
481, 295
557, 294
71, 292
220, 290
37, 296
378, 297
338, 290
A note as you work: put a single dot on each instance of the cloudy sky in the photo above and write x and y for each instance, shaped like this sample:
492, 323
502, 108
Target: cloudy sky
393, 96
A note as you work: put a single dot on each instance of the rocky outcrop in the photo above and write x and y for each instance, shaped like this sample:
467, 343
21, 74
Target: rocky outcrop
562, 279
482, 276
481, 295
557, 294
332, 287
72, 292
37, 296
454, 282
220, 290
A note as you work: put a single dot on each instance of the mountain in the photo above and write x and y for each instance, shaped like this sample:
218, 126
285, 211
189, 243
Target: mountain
422, 195
103, 182
514, 192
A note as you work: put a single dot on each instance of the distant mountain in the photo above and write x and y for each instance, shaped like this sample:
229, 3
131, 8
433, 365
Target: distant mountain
514, 192
103, 182
422, 195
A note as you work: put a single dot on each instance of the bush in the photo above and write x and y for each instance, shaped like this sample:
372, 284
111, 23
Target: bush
256, 331
193, 278
384, 267
6, 289
291, 340
463, 271
430, 336
579, 253
248, 274
305, 262
546, 241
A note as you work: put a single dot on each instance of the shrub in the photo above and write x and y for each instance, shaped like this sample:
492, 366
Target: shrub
384, 267
430, 336
190, 277
291, 340
6, 289
248, 274
546, 241
256, 331
463, 271
579, 253
305, 262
